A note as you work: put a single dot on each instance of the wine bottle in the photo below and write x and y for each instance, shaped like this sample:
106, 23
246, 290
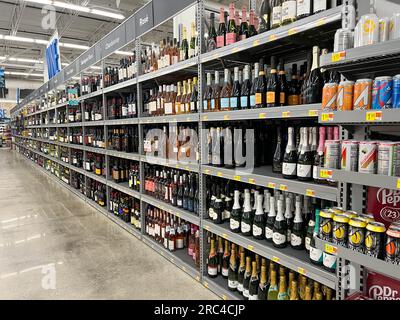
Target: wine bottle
289, 167
273, 286
225, 261
233, 271
212, 265
218, 207
320, 5
221, 29
278, 154
297, 237
305, 160
231, 32
259, 223
252, 24
276, 16
269, 225
254, 283
288, 218
282, 293
236, 214
266, 204
227, 202
245, 89
280, 228
216, 93
319, 155
265, 11
184, 46
226, 91
244, 27
263, 286
283, 86
241, 272
308, 293
272, 86
212, 34
288, 11
294, 293
304, 8
192, 47
315, 254
260, 89
236, 90
254, 86
246, 278
246, 223
294, 90
315, 80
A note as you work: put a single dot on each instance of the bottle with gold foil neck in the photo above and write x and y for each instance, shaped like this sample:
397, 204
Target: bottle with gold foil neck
294, 293
282, 295
273, 287
307, 295
263, 287
302, 287
328, 295
241, 272
316, 291
246, 280
254, 282
291, 279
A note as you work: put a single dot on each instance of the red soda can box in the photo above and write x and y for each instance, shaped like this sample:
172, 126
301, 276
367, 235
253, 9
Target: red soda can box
384, 205
380, 287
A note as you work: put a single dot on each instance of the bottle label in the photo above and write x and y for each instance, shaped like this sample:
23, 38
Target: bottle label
245, 227
282, 98
315, 255
293, 100
212, 104
257, 231
192, 106
319, 5
226, 215
230, 38
171, 245
225, 271
220, 41
246, 293
243, 102
179, 243
224, 103
295, 240
289, 10
124, 111
307, 243
276, 16
252, 100
234, 224
304, 170
212, 271
240, 287
315, 173
303, 7
278, 238
232, 284
205, 105
271, 97
268, 233
253, 297
289, 169
234, 102
329, 260
179, 202
258, 98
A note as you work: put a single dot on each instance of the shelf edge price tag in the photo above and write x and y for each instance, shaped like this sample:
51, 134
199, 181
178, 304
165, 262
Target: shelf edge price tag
373, 116
398, 183
321, 22
225, 236
275, 259
301, 271
285, 114
310, 193
205, 284
262, 115
219, 174
207, 171
325, 117
250, 247
312, 113
224, 297
252, 181
226, 117
237, 178
338, 56
330, 249
234, 50
272, 37
283, 187
271, 185
256, 43
292, 31
205, 118
325, 174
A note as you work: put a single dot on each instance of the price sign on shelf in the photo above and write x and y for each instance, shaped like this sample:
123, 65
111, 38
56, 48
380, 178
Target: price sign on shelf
330, 249
325, 174
398, 183
310, 193
252, 181
283, 187
275, 259
237, 178
262, 115
301, 271
372, 116
313, 113
338, 56
327, 117
285, 114
271, 185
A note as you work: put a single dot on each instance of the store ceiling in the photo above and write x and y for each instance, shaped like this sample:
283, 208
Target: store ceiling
23, 18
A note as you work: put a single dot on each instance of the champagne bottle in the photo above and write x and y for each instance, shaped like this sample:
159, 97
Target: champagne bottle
246, 222
265, 11
294, 293
252, 24
282, 292
289, 167
233, 271
269, 225
267, 198
259, 223
315, 79
212, 269
245, 90
225, 261
220, 254
294, 90
236, 90
236, 214
291, 278
221, 29
226, 91
305, 160
297, 237
304, 8
244, 27
283, 86
319, 156
246, 279
288, 218
212, 34
317, 295
231, 32
254, 86
241, 272
272, 86
273, 287
315, 254
254, 283
260, 89
263, 286
278, 154
280, 228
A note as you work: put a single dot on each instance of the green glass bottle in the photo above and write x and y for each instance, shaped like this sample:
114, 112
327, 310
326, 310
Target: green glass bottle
273, 287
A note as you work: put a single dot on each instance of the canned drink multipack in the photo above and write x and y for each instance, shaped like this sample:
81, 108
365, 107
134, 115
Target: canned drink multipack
367, 156
362, 99
382, 93
349, 155
396, 91
345, 96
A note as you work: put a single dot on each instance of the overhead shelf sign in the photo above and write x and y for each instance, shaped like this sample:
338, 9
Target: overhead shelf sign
115, 40
144, 19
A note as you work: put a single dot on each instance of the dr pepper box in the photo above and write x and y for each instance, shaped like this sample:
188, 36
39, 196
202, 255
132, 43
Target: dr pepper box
380, 287
384, 205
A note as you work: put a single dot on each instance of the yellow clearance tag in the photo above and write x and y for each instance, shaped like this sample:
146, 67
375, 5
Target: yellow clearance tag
325, 174
301, 271
371, 116
207, 171
321, 22
225, 236
292, 31
398, 183
252, 181
285, 114
236, 178
330, 249
226, 117
338, 56
325, 117
271, 185
282, 187
313, 113
275, 259
262, 115
250, 247
219, 174
310, 193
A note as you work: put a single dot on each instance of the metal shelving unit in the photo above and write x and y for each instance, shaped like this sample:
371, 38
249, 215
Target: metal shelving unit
284, 40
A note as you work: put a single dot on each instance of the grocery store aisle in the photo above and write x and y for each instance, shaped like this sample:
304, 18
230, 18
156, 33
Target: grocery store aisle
53, 246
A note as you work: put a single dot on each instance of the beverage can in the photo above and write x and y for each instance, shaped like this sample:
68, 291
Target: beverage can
332, 154
349, 155
336, 210
394, 27
374, 239
382, 93
392, 244
351, 214
366, 217
345, 96
329, 96
384, 29
396, 92
362, 99
340, 229
388, 158
325, 225
356, 234
367, 156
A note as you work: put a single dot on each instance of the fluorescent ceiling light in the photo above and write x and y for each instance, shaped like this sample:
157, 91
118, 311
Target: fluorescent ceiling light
79, 8
19, 39
73, 46
13, 65
124, 53
13, 73
24, 60
96, 67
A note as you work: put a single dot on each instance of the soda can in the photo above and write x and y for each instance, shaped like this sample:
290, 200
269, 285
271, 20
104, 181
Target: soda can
392, 244
396, 92
356, 234
349, 155
394, 27
340, 229
332, 154
329, 96
362, 99
351, 214
345, 96
367, 156
336, 210
388, 158
374, 239
384, 29
366, 217
382, 93
325, 225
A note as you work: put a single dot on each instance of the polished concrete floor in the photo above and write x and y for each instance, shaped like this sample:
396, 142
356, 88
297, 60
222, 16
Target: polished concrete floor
53, 246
